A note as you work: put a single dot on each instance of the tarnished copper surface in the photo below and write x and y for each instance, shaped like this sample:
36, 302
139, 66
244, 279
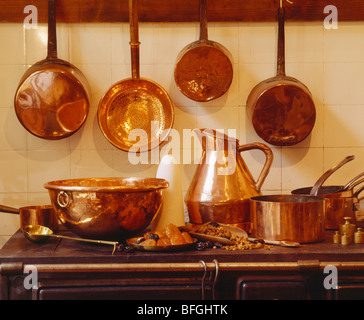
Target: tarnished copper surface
106, 208
203, 71
135, 103
204, 68
222, 183
281, 108
297, 218
282, 114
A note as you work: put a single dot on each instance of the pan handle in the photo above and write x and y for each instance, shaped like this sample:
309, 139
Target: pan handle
353, 183
268, 160
134, 39
203, 20
52, 35
315, 189
8, 209
281, 66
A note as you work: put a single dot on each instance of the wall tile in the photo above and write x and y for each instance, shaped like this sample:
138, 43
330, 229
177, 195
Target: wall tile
343, 83
13, 35
345, 44
301, 167
343, 126
90, 43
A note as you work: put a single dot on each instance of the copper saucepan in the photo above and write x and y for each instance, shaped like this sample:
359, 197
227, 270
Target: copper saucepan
281, 108
204, 68
34, 215
135, 103
341, 201
52, 99
299, 218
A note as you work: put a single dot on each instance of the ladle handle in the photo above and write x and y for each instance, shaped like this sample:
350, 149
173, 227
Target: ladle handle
268, 160
84, 240
112, 243
52, 33
134, 39
203, 20
327, 174
281, 66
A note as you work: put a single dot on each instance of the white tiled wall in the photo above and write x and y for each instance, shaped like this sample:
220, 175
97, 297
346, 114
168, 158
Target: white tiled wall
329, 62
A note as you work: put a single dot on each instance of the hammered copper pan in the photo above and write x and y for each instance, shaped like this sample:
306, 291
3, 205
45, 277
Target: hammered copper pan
204, 68
135, 104
52, 99
281, 108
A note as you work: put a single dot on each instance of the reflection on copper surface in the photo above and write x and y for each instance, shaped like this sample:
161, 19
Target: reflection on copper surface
225, 197
135, 104
107, 208
51, 103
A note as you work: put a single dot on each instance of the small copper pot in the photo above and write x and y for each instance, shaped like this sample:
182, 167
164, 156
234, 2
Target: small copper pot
34, 215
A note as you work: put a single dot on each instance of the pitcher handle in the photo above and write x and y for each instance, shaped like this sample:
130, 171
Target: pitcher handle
268, 160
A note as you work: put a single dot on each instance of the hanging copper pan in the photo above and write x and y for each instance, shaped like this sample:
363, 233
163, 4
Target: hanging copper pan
281, 108
204, 68
135, 103
52, 99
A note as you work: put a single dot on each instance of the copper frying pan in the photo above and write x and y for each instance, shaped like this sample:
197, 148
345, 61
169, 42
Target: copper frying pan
204, 68
135, 103
52, 99
281, 108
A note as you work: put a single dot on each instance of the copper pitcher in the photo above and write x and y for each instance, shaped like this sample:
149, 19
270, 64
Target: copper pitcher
222, 184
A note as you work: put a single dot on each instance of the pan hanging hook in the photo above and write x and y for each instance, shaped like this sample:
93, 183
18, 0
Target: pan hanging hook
281, 3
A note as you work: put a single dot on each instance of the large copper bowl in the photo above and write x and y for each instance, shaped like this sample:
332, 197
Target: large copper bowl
106, 208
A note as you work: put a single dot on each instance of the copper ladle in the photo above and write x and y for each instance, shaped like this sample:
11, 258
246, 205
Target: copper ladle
39, 234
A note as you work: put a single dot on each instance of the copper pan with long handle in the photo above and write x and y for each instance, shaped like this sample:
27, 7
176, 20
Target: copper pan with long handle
204, 68
135, 104
281, 108
39, 215
52, 99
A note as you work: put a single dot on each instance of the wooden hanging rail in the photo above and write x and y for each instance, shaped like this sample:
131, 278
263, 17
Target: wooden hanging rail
82, 11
